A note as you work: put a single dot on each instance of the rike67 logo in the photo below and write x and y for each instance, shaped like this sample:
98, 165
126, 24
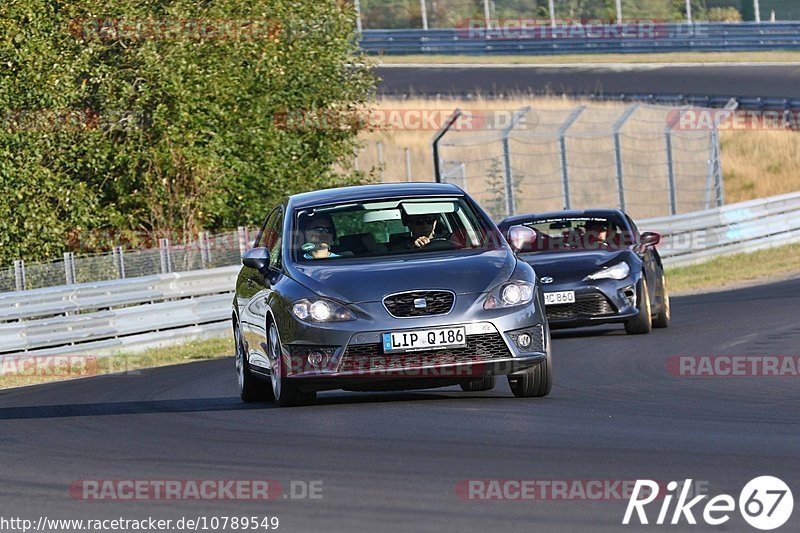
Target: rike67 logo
765, 503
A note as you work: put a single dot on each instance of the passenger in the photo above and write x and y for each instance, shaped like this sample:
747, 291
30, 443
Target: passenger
597, 234
318, 232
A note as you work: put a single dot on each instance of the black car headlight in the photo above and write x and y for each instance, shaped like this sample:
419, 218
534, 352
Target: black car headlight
321, 310
510, 294
618, 271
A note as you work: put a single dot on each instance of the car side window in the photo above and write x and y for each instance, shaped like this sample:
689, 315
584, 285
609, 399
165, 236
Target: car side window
273, 237
634, 228
260, 237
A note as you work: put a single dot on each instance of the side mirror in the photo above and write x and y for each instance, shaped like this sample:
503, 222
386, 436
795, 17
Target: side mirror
257, 258
649, 238
520, 237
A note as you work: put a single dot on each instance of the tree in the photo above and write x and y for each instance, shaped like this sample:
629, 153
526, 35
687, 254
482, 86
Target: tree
173, 111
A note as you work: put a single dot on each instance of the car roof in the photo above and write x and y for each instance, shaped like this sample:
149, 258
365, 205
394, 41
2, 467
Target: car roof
372, 192
566, 213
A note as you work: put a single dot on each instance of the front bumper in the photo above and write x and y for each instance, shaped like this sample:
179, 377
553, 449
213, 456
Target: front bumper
599, 302
355, 359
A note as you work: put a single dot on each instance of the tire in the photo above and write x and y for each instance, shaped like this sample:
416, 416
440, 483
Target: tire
662, 319
478, 384
251, 389
284, 391
537, 382
643, 322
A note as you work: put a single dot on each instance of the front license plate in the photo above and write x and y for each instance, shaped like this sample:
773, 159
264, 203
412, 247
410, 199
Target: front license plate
425, 339
561, 297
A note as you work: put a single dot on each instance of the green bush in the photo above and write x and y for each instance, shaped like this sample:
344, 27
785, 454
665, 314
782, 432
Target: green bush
108, 127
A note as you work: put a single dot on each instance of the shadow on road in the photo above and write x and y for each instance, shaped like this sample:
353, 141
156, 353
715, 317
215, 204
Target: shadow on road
585, 332
235, 404
127, 408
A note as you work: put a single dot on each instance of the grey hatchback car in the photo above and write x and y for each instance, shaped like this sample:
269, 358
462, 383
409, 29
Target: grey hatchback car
386, 287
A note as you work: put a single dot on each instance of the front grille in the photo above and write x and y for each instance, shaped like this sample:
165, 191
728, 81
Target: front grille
585, 305
436, 303
363, 357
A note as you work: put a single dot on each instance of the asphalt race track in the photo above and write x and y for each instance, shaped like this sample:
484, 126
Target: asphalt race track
391, 461
763, 80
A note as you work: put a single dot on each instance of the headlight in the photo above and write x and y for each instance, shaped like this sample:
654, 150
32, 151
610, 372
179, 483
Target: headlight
510, 294
618, 271
321, 310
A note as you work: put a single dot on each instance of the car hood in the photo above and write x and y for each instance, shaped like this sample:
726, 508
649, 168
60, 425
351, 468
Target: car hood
369, 281
573, 265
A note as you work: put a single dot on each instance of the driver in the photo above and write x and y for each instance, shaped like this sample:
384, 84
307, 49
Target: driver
423, 228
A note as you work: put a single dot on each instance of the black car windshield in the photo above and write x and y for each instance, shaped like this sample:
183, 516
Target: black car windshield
578, 233
395, 227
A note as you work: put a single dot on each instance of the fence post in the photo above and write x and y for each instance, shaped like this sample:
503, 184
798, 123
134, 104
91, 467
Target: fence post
19, 274
437, 162
408, 164
552, 9
618, 152
562, 145
487, 15
424, 10
166, 263
510, 203
119, 259
719, 185
69, 268
673, 198
358, 15
242, 231
205, 249
381, 166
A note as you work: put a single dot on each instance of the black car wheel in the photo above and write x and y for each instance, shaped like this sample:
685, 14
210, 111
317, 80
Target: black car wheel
661, 320
643, 322
250, 388
285, 392
478, 384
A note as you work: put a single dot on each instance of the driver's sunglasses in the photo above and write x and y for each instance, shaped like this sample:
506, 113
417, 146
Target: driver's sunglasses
322, 229
423, 220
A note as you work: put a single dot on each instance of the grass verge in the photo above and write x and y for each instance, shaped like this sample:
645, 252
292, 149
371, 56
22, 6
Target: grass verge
735, 270
30, 370
669, 57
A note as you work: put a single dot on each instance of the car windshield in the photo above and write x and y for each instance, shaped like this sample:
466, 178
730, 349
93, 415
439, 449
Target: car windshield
390, 228
577, 233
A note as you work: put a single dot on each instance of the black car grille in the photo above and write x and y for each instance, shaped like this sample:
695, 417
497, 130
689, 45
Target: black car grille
402, 305
365, 357
585, 305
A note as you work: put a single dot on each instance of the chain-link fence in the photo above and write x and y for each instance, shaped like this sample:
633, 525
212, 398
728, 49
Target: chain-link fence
207, 251
439, 14
642, 159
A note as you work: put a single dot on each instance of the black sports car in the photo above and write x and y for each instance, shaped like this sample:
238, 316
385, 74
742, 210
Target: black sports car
596, 268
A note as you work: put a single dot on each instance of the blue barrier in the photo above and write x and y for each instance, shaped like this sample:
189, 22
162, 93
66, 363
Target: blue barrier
698, 37
747, 103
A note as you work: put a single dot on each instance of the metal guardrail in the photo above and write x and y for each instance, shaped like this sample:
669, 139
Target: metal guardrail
743, 227
100, 318
673, 37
